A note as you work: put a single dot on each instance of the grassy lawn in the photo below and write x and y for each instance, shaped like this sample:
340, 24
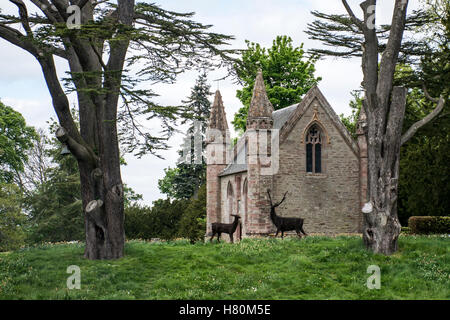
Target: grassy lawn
311, 268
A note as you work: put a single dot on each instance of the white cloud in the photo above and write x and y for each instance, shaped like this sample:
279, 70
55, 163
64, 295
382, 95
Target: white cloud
35, 111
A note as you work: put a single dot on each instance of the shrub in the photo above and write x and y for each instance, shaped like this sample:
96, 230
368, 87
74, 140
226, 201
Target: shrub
159, 221
429, 224
406, 230
12, 219
193, 221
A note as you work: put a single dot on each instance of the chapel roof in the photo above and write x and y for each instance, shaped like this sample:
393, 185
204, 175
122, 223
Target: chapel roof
279, 119
284, 120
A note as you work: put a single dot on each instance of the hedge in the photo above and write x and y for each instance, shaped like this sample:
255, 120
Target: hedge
429, 224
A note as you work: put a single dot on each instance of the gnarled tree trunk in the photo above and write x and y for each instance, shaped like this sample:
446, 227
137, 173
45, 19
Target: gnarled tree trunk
384, 106
381, 225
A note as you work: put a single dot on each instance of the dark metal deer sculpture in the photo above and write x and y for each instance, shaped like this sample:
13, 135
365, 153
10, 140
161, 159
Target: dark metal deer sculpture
284, 223
219, 228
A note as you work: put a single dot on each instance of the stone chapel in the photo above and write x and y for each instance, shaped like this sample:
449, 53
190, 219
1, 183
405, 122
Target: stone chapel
318, 162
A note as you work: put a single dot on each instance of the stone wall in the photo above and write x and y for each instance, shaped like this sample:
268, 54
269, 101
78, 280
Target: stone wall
328, 201
213, 196
238, 201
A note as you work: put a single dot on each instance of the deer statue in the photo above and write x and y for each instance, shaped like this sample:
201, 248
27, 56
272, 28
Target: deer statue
284, 223
229, 228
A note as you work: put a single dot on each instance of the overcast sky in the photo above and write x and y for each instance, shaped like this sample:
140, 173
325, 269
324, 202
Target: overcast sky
22, 85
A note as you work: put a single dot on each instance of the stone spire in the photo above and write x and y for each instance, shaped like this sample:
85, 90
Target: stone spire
217, 141
260, 106
218, 119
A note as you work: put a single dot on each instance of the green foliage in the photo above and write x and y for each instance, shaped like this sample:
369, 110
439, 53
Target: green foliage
197, 106
429, 225
350, 122
184, 181
15, 139
286, 72
166, 184
313, 268
168, 219
159, 221
423, 186
424, 160
12, 219
424, 172
161, 44
193, 222
406, 230
54, 206
341, 38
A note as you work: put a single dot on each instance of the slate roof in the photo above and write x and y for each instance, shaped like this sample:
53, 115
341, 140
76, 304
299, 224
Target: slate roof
279, 119
285, 118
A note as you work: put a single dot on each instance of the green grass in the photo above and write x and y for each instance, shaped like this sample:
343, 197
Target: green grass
311, 268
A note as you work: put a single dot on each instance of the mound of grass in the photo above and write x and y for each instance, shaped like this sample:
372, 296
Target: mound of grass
311, 268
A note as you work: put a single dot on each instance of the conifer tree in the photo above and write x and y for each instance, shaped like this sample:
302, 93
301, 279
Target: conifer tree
114, 50
184, 181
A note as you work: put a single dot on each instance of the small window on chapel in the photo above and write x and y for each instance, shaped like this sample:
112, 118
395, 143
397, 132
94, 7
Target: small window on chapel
314, 150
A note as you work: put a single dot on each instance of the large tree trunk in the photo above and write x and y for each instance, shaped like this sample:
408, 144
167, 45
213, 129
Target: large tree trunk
381, 225
101, 191
384, 107
104, 219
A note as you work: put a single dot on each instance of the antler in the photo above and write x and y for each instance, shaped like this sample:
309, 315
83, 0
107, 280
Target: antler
284, 197
276, 204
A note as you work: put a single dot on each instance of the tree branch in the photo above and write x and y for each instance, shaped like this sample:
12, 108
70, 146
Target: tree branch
355, 20
23, 13
45, 7
390, 54
78, 150
416, 126
18, 39
370, 52
82, 3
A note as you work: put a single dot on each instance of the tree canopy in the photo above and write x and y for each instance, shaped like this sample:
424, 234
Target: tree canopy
16, 138
115, 51
287, 72
380, 49
184, 181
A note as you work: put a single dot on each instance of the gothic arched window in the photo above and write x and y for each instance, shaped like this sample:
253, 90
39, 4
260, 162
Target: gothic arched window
230, 200
314, 150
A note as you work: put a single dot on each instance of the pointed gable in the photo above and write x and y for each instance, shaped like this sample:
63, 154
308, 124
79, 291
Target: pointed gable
218, 119
308, 101
260, 106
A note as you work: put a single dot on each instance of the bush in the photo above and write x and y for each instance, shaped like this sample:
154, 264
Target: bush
429, 224
193, 221
12, 219
160, 221
406, 230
